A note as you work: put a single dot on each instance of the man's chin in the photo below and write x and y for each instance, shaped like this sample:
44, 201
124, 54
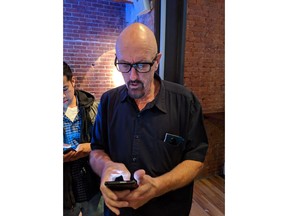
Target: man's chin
65, 106
135, 94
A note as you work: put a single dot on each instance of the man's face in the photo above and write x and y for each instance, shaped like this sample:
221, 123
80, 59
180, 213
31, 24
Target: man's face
137, 44
68, 92
138, 84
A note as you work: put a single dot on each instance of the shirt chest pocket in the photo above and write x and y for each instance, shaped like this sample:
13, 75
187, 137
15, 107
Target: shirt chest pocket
167, 155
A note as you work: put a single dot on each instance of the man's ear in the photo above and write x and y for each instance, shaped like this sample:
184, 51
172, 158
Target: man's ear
158, 58
73, 81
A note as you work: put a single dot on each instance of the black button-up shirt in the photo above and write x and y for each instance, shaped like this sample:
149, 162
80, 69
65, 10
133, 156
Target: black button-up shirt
136, 138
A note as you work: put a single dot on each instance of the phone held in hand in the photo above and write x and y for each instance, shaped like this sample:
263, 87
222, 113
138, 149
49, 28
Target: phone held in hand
121, 185
68, 147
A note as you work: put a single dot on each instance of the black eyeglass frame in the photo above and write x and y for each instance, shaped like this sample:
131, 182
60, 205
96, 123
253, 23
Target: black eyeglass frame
135, 65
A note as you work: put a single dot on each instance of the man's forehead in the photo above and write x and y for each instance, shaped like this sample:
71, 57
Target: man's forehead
65, 81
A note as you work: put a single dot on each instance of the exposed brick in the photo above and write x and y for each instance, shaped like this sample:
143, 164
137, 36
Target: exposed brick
204, 52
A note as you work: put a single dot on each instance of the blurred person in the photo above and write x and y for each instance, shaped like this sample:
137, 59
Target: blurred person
81, 184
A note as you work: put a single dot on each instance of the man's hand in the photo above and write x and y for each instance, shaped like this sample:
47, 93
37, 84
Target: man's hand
114, 199
146, 191
135, 198
69, 156
82, 150
149, 187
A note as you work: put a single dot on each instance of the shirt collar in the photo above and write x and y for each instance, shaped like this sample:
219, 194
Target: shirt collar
160, 98
159, 101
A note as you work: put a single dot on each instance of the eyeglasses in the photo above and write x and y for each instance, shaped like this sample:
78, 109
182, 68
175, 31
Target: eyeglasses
140, 67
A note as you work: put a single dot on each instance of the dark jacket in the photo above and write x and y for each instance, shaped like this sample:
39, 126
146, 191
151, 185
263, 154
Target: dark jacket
88, 110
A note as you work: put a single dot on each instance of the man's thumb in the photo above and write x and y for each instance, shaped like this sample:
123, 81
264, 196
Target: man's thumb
138, 175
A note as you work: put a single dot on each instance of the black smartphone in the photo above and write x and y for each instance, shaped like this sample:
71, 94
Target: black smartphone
173, 139
121, 185
66, 150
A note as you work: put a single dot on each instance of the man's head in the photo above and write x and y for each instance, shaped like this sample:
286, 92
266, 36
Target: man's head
68, 86
137, 44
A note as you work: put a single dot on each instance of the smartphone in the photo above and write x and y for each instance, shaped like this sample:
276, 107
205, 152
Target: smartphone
173, 139
121, 185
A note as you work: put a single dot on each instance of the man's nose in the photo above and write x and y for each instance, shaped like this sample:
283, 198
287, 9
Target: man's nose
133, 74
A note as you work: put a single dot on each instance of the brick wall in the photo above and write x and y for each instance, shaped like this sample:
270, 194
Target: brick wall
90, 31
204, 74
204, 53
91, 28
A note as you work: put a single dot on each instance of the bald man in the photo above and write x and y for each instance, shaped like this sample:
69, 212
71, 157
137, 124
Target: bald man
149, 130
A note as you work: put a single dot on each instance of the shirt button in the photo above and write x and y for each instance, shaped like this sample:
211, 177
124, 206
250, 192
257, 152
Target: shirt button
138, 115
134, 159
136, 137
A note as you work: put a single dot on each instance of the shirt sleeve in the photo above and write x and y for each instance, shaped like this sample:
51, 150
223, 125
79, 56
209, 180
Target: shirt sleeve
97, 139
197, 142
